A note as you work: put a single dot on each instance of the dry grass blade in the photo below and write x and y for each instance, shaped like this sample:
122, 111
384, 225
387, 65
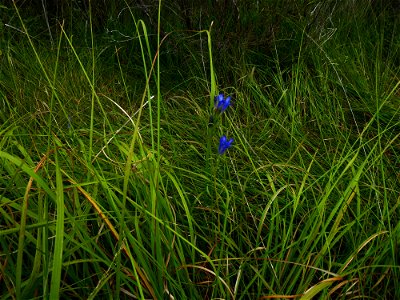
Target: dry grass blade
212, 273
281, 297
116, 236
360, 248
23, 226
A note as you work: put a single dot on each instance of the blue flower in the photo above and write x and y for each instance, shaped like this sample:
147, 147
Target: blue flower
221, 102
224, 144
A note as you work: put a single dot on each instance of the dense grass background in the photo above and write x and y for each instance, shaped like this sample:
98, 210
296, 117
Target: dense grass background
111, 185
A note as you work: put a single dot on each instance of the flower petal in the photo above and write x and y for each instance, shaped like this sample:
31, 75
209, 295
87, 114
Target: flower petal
224, 144
221, 103
226, 104
218, 100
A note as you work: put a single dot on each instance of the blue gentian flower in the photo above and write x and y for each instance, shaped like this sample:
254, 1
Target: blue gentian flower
224, 144
222, 103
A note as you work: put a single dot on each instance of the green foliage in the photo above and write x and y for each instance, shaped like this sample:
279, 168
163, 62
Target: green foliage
111, 185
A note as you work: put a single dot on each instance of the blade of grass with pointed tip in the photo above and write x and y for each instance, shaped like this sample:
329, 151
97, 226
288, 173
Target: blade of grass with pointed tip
59, 238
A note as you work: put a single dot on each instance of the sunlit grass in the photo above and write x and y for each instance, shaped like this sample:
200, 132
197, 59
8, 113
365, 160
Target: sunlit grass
111, 185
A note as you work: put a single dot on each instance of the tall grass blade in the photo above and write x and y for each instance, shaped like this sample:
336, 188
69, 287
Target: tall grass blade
59, 235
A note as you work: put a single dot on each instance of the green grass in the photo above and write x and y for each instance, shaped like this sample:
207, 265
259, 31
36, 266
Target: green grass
111, 185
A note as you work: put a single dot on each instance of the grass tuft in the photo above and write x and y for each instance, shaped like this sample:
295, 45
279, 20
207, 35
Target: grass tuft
111, 185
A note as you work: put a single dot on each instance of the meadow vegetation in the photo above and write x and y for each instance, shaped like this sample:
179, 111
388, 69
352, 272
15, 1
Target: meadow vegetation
111, 181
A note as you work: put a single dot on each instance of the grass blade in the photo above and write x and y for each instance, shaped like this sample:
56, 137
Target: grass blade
59, 237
